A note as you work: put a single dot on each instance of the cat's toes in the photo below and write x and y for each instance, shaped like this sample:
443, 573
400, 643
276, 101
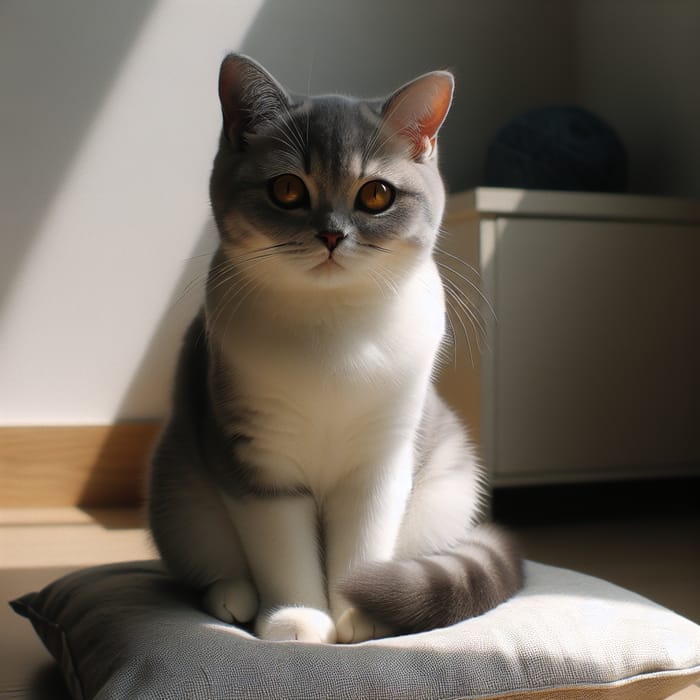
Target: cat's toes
231, 600
296, 624
354, 626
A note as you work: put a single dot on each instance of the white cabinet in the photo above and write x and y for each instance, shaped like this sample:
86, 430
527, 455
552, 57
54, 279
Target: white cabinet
592, 369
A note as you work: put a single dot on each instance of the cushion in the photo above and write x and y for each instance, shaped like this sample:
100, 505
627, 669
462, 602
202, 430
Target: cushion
129, 631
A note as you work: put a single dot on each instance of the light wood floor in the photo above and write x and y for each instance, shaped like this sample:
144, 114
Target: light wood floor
657, 556
644, 536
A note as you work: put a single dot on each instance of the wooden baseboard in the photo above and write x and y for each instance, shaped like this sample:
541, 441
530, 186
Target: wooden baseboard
97, 465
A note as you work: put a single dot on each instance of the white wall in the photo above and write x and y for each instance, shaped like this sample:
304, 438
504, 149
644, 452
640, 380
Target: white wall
109, 120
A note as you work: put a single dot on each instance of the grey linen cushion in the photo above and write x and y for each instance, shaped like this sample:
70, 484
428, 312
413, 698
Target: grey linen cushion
129, 631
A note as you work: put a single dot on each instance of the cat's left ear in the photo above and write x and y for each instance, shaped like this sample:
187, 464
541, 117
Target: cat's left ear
418, 109
249, 96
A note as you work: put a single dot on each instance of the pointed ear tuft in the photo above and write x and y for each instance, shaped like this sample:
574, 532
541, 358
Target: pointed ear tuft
418, 109
249, 96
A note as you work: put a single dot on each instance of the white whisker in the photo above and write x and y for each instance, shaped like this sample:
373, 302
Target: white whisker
458, 296
464, 328
473, 285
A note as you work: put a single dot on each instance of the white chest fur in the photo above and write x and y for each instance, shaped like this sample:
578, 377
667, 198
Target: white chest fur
332, 390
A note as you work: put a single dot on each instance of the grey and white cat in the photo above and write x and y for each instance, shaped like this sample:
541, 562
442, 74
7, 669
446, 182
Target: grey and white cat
309, 478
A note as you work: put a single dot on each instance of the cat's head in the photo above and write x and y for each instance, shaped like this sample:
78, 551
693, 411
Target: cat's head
327, 191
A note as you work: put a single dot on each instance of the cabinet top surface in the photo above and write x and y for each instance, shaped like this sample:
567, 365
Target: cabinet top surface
485, 202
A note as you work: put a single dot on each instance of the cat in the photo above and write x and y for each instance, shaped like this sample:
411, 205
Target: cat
309, 480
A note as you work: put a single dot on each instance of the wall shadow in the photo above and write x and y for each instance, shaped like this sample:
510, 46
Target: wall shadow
49, 105
48, 682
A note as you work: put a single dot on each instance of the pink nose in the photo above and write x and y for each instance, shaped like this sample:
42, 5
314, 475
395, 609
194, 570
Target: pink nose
331, 238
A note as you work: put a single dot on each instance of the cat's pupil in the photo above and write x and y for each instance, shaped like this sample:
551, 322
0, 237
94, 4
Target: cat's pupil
375, 197
288, 191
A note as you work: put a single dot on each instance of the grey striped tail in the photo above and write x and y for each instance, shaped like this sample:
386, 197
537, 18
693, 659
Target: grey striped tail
416, 595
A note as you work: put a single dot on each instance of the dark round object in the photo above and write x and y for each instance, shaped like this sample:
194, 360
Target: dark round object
557, 148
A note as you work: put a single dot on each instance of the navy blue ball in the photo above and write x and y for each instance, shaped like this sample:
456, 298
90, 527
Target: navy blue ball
557, 148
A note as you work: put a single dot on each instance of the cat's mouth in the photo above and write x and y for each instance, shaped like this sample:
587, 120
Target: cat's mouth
329, 264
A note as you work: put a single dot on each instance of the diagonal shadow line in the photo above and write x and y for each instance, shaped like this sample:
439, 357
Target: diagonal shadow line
157, 364
49, 105
150, 384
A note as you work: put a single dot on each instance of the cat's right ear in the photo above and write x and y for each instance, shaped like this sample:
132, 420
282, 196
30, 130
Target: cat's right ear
249, 96
417, 110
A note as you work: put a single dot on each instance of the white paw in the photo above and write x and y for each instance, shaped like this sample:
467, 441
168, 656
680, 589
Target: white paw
354, 626
231, 600
296, 624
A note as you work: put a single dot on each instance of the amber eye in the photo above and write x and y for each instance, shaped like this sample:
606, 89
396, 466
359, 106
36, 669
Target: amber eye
375, 197
288, 191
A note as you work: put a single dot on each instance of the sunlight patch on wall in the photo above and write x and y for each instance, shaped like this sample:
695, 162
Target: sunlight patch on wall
108, 257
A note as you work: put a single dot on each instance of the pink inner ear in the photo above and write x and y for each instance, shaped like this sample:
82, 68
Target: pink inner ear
418, 110
439, 107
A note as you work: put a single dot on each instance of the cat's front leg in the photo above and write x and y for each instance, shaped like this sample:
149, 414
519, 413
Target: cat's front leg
280, 538
362, 518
